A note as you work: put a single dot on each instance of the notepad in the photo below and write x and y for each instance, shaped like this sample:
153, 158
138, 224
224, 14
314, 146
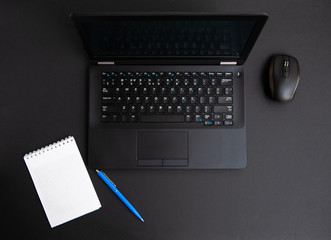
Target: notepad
62, 181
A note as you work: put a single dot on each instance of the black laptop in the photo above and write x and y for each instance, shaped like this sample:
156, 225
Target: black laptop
167, 91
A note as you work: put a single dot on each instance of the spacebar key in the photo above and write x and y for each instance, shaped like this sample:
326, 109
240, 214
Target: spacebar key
162, 118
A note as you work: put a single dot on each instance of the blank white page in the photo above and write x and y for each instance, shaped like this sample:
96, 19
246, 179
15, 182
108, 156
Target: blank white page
62, 181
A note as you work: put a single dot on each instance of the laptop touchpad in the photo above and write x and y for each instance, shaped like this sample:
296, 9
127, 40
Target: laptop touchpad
162, 148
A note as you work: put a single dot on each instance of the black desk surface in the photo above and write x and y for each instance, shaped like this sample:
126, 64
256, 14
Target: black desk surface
284, 193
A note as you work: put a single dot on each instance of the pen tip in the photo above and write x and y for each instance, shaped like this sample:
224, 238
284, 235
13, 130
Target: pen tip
142, 220
97, 170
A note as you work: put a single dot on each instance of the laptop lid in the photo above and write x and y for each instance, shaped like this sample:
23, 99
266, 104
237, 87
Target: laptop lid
182, 38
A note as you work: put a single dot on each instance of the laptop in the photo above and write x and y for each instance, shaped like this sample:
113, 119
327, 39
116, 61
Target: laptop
167, 90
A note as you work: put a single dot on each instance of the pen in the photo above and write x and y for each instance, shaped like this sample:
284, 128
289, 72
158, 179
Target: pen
112, 186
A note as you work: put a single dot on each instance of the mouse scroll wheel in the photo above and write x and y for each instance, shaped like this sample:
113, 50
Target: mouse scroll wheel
286, 68
286, 63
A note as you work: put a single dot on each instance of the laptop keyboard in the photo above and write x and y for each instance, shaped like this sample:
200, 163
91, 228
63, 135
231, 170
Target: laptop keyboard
204, 98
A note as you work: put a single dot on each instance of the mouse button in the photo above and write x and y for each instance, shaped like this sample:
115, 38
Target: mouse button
286, 67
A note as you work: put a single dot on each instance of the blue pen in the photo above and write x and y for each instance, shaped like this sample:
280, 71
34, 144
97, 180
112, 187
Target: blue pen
112, 186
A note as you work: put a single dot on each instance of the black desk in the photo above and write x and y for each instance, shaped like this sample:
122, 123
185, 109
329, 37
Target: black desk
284, 193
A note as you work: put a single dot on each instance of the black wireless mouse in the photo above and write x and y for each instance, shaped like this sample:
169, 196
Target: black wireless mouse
284, 74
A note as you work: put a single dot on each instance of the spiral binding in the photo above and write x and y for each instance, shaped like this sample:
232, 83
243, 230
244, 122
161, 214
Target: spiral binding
49, 147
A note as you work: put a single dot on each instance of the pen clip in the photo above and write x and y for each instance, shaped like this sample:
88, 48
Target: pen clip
109, 179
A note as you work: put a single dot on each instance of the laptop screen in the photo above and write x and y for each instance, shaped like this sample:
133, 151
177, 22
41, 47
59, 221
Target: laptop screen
167, 36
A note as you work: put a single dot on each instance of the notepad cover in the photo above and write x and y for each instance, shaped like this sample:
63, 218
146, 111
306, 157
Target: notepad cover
62, 181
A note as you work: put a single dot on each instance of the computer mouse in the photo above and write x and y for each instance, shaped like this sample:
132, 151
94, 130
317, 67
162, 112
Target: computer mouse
284, 75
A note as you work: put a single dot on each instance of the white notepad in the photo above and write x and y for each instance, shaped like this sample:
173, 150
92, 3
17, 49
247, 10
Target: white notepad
62, 181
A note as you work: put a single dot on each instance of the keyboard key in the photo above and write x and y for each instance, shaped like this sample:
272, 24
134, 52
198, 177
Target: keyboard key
198, 109
189, 109
209, 123
136, 91
185, 100
192, 91
226, 82
195, 74
215, 82
219, 74
138, 99
175, 100
187, 74
203, 100
108, 100
127, 91
171, 109
134, 118
228, 91
162, 118
218, 117
189, 118
212, 100
145, 91
118, 90
198, 118
223, 100
119, 100
106, 118
221, 109
201, 90
205, 82
208, 117
111, 109
133, 109
105, 82
166, 100
152, 109
208, 109
228, 117
228, 123
128, 99
194, 100
211, 91
173, 90
105, 91
178, 82
179, 74
219, 91
161, 109
125, 118
157, 100
143, 109
155, 90
196, 82
125, 108
228, 74
171, 74
218, 123
211, 74
169, 82
180, 109
116, 117
147, 100
164, 90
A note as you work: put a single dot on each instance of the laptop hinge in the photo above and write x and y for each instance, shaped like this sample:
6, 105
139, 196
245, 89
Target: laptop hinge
228, 63
106, 63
